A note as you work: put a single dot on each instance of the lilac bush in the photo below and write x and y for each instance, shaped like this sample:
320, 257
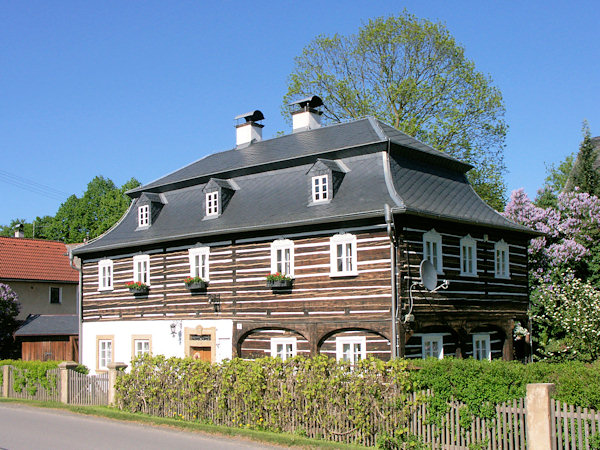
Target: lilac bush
564, 273
9, 310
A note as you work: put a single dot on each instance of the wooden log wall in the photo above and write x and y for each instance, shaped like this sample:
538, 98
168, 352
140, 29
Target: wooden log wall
483, 296
237, 275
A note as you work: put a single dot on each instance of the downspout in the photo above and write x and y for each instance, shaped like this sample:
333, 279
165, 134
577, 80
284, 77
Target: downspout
79, 303
389, 219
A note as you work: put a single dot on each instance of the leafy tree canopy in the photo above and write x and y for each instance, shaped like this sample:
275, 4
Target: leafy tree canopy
411, 74
78, 218
585, 174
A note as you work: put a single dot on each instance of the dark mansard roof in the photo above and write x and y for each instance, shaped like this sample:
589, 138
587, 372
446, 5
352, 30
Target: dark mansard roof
270, 185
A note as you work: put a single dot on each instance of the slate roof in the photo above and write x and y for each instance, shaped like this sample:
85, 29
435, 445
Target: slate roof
35, 259
273, 187
50, 325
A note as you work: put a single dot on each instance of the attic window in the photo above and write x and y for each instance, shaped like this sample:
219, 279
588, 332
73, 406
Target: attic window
212, 203
144, 216
320, 189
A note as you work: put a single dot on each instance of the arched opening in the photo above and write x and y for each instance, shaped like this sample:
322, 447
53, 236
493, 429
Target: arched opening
355, 343
272, 341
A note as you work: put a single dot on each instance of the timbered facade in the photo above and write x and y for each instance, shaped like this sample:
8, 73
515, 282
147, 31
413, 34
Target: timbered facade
309, 205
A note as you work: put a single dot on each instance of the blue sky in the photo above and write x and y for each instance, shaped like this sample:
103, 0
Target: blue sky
138, 89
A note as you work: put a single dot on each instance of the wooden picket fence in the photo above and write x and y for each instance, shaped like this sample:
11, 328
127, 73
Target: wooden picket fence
574, 427
35, 391
88, 390
507, 431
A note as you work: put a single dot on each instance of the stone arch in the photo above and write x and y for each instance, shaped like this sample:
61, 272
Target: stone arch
377, 343
256, 342
449, 337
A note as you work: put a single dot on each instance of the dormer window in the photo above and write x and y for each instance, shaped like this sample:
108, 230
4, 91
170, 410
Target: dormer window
217, 194
212, 203
320, 189
325, 178
144, 216
149, 206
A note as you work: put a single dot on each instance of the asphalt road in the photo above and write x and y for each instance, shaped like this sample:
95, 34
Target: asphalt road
25, 427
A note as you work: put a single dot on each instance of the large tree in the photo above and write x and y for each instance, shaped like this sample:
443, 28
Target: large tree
100, 207
78, 218
585, 174
412, 74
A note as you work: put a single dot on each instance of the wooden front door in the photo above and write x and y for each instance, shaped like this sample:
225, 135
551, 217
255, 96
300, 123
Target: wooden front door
201, 353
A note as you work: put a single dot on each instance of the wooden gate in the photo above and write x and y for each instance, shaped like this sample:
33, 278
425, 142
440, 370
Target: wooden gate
88, 389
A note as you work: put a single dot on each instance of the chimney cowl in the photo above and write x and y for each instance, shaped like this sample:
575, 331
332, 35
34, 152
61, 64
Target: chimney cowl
249, 131
307, 117
19, 230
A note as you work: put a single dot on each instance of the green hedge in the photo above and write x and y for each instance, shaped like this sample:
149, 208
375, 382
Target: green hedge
478, 382
30, 373
317, 394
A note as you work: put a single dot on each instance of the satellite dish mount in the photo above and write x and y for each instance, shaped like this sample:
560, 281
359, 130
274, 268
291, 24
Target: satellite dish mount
429, 281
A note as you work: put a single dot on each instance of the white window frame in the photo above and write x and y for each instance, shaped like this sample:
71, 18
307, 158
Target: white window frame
144, 216
104, 360
278, 261
197, 266
468, 256
59, 295
141, 269
212, 203
437, 338
143, 351
432, 249
105, 275
501, 260
349, 263
352, 340
482, 353
320, 189
284, 342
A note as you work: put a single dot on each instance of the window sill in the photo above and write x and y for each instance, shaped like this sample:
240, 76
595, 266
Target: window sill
343, 274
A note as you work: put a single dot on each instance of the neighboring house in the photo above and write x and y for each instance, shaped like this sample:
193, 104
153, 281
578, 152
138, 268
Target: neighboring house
40, 273
310, 204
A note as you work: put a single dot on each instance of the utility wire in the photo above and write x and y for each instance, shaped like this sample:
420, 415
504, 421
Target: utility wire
32, 186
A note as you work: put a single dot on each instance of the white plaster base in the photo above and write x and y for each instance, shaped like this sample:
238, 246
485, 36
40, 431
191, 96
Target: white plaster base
163, 342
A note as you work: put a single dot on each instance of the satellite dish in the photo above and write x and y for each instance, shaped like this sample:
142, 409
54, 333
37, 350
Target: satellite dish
428, 275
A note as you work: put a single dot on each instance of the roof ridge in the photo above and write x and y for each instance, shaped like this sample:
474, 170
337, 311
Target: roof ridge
17, 239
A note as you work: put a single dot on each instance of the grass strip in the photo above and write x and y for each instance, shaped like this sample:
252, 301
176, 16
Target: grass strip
283, 439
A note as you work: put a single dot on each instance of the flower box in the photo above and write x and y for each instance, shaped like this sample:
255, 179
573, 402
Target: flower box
137, 288
279, 284
196, 286
137, 292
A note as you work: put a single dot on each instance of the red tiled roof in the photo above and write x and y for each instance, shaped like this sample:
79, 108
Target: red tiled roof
35, 259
